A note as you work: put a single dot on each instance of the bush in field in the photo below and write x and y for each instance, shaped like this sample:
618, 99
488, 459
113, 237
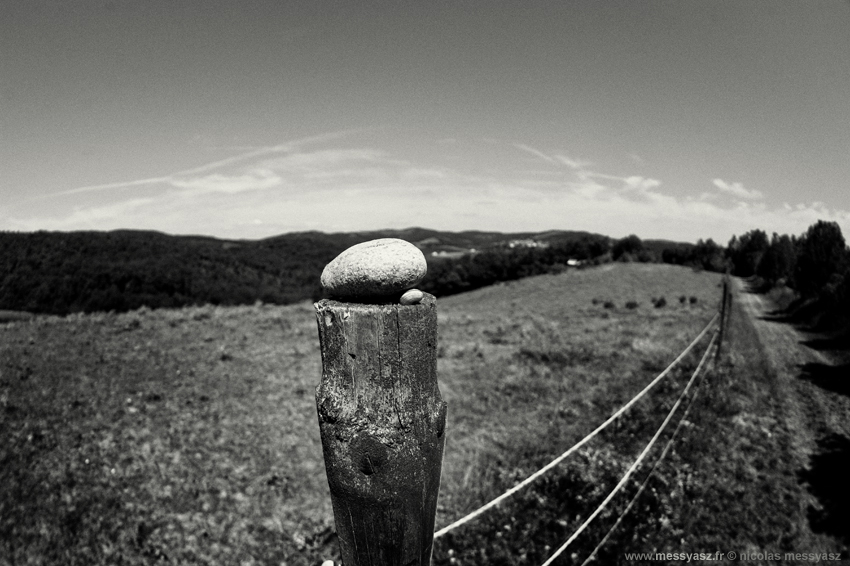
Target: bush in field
609, 305
632, 305
661, 302
683, 299
693, 300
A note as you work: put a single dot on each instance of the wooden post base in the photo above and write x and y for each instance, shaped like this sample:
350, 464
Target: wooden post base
382, 423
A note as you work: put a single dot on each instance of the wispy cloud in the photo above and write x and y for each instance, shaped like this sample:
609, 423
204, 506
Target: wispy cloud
306, 161
555, 158
178, 177
343, 183
106, 186
737, 190
217, 183
535, 152
577, 164
637, 182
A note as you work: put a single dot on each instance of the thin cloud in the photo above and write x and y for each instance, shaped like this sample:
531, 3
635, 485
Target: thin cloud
557, 159
633, 186
217, 183
174, 178
121, 185
535, 152
737, 190
171, 178
636, 182
577, 164
335, 187
326, 158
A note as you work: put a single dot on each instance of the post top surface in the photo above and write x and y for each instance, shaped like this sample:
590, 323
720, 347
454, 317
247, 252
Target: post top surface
378, 303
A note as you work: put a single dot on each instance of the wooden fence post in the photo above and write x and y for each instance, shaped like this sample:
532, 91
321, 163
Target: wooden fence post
724, 314
382, 422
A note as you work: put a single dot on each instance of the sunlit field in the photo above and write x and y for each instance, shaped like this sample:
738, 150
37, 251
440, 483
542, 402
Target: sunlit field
190, 436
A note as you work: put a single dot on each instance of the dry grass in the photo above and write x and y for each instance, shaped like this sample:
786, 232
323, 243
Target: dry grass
181, 434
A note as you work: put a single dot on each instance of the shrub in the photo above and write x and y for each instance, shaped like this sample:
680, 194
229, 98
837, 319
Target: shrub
683, 299
693, 300
608, 305
661, 302
632, 305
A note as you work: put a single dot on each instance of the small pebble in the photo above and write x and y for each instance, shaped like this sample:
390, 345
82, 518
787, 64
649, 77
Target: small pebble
374, 269
411, 297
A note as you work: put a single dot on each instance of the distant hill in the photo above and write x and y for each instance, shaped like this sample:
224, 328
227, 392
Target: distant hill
65, 272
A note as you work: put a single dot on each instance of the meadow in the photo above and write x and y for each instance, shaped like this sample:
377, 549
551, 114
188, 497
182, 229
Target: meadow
189, 436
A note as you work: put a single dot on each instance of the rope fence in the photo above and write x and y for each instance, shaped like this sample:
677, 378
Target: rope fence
486, 507
637, 462
651, 470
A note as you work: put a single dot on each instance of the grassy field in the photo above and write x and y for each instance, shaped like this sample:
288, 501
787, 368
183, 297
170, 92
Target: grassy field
190, 436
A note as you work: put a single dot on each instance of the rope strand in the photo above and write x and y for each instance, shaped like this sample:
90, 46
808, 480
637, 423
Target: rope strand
636, 463
579, 444
651, 471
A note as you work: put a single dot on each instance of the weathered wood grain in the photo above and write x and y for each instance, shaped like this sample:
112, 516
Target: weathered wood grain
382, 423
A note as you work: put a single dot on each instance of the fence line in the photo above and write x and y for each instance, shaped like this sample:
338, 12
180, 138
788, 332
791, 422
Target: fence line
725, 306
636, 463
580, 443
654, 466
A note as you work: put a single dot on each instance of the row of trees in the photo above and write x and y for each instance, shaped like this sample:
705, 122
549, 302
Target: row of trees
704, 255
815, 264
502, 263
96, 271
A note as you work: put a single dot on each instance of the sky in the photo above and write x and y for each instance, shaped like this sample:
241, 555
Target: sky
245, 120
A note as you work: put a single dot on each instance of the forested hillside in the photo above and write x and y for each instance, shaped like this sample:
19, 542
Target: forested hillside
66, 272
122, 270
63, 272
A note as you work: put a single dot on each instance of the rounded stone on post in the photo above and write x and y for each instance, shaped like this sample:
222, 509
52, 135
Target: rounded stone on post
374, 270
382, 423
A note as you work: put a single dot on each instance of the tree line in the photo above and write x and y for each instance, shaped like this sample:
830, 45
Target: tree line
815, 264
503, 263
66, 272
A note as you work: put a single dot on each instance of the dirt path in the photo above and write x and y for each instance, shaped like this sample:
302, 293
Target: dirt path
817, 411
